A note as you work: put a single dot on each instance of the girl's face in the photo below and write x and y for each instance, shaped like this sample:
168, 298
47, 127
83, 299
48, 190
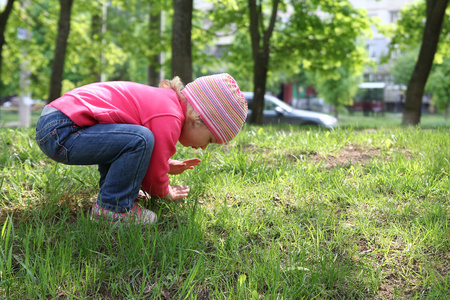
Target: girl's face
196, 137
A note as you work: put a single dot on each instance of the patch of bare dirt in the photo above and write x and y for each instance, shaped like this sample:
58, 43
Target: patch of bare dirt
350, 154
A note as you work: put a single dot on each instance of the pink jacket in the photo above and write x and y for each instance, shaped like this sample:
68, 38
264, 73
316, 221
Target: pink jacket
160, 110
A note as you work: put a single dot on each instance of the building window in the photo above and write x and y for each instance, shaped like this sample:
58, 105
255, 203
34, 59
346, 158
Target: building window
394, 15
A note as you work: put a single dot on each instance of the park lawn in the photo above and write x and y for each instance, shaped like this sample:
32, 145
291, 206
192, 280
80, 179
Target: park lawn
278, 213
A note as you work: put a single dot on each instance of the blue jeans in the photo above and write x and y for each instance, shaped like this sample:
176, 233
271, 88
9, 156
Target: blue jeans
121, 151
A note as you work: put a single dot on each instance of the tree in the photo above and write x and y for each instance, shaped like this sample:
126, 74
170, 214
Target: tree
181, 40
97, 26
117, 46
435, 11
312, 35
35, 51
260, 37
4, 15
155, 33
60, 49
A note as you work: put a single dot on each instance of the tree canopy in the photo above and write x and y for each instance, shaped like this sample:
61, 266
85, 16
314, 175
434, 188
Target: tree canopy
318, 36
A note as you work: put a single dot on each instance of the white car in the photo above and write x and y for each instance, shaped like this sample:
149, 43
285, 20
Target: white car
279, 112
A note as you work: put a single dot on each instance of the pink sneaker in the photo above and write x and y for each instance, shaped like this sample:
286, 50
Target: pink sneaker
136, 215
141, 197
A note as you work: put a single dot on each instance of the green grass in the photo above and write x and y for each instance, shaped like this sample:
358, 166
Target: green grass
389, 120
279, 213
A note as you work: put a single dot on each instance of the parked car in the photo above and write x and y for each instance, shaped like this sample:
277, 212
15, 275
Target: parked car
279, 112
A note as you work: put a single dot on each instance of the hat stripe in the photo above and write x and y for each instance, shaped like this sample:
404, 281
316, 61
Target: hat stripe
214, 117
220, 104
230, 106
228, 118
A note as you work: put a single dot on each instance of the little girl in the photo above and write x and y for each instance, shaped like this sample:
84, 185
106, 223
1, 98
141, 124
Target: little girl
130, 131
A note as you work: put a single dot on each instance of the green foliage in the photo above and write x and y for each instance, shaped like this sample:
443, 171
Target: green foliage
121, 53
403, 66
409, 26
328, 39
240, 55
439, 85
302, 40
408, 30
337, 87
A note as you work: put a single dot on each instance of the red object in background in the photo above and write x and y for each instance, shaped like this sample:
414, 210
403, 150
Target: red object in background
310, 91
287, 92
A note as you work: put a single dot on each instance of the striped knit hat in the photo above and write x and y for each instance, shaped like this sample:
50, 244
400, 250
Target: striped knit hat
219, 103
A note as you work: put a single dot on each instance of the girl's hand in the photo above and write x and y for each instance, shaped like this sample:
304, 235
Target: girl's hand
177, 192
178, 167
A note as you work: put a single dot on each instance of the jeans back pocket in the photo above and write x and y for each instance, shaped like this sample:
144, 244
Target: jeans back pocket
51, 132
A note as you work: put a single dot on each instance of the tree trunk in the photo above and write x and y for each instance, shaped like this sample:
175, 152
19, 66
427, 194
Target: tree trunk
260, 69
261, 55
96, 36
430, 39
3, 20
181, 40
60, 49
155, 63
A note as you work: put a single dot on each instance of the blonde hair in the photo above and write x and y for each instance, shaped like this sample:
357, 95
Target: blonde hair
177, 85
174, 84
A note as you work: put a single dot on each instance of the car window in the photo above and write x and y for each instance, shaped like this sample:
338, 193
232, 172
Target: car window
269, 105
277, 102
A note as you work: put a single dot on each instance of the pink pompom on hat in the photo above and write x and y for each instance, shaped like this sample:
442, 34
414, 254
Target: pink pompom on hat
220, 104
